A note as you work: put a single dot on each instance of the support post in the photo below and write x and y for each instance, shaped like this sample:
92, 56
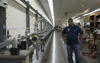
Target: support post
2, 24
27, 20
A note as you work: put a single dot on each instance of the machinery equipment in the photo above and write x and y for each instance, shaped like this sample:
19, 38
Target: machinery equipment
4, 3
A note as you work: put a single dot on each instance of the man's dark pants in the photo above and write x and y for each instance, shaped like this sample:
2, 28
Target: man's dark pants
76, 49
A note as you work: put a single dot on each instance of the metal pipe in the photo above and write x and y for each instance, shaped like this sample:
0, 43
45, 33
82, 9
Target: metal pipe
27, 20
2, 24
6, 43
27, 4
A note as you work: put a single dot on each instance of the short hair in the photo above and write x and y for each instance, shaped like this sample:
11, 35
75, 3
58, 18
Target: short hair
70, 19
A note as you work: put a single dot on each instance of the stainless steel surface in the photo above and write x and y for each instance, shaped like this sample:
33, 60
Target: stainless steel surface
57, 51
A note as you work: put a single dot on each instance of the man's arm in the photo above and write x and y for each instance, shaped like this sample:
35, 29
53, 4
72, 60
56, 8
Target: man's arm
64, 38
80, 37
63, 35
81, 34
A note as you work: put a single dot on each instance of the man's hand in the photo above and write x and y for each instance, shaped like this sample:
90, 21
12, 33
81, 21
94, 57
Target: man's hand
65, 40
79, 39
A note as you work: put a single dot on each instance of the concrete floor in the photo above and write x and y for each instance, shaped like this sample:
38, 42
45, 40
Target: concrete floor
58, 53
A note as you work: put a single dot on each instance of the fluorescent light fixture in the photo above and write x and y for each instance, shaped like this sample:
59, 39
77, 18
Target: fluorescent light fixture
87, 10
52, 10
77, 20
92, 12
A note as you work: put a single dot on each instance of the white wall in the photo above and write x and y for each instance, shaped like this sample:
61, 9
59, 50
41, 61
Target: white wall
32, 23
37, 6
16, 19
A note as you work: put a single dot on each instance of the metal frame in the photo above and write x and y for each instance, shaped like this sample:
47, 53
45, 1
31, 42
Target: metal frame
37, 13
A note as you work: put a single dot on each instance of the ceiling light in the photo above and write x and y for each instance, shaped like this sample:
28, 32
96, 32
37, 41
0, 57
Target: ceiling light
52, 10
92, 12
87, 10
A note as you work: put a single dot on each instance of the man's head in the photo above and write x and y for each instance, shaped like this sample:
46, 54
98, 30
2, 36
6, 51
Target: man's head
70, 21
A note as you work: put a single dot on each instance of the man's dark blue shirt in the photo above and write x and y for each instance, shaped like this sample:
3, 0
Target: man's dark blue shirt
72, 34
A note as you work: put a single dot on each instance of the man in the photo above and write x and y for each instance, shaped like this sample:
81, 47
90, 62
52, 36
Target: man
72, 38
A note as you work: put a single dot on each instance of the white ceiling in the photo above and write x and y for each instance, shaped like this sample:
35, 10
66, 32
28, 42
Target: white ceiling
72, 7
45, 5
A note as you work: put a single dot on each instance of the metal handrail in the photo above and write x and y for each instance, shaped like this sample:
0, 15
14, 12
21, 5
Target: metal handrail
44, 37
6, 43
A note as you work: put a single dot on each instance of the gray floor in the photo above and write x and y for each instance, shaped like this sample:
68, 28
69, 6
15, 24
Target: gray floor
58, 53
